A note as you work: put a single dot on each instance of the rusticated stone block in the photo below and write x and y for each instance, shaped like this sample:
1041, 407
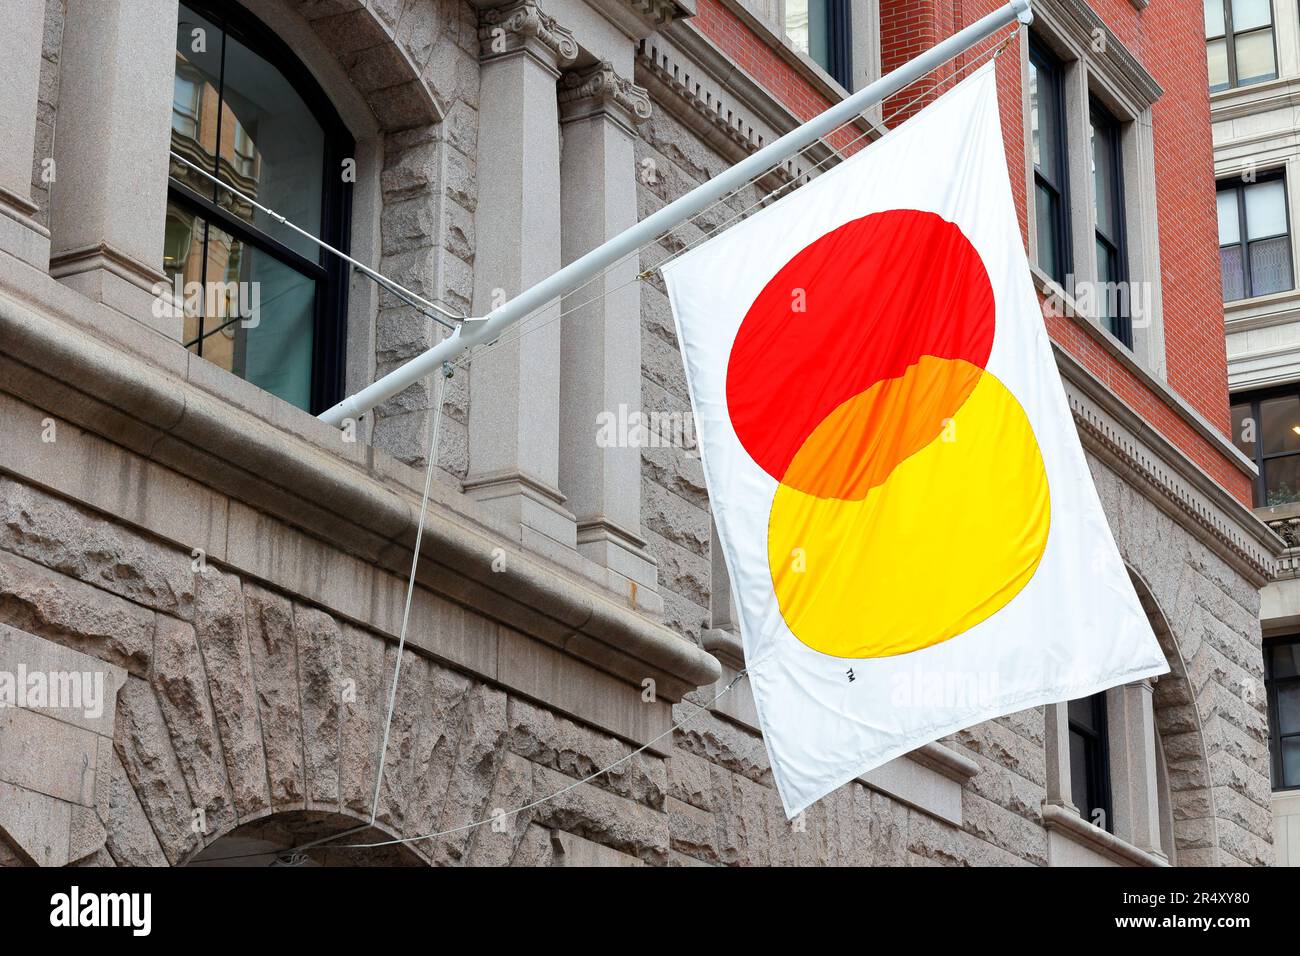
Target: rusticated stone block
319, 643
220, 629
274, 658
182, 688
559, 743
143, 745
481, 747
48, 604
601, 817
74, 541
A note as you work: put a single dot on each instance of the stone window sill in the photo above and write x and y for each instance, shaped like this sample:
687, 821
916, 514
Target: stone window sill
1070, 826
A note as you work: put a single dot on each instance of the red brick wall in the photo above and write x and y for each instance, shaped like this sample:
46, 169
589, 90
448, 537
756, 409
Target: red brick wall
1168, 39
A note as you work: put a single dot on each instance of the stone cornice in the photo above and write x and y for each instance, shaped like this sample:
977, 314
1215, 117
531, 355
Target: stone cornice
522, 26
1074, 23
689, 77
600, 89
355, 499
1163, 474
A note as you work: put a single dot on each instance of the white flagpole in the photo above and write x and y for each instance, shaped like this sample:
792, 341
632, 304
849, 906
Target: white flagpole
487, 329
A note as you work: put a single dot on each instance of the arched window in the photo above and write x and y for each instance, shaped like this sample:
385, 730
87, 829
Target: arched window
260, 300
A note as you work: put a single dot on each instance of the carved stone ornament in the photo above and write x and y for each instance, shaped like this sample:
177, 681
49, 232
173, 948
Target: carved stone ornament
514, 26
601, 87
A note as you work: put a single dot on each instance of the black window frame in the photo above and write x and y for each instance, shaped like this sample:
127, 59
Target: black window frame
1229, 37
1121, 324
1255, 399
1049, 65
331, 274
1096, 759
1275, 735
1239, 186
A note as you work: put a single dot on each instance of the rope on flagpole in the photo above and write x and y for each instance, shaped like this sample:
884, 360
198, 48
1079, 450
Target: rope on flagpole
431, 461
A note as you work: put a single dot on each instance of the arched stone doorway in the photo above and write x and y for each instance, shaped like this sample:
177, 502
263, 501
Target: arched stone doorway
271, 840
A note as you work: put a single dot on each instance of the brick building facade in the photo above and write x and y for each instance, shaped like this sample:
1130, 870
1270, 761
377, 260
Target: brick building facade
177, 521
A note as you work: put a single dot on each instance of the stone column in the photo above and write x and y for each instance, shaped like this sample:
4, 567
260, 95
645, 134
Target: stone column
20, 51
1056, 730
600, 368
514, 419
1131, 727
109, 198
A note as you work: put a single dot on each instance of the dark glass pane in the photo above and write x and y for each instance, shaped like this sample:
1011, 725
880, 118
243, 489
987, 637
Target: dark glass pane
272, 149
1279, 419
1255, 57
1282, 480
1079, 765
1082, 711
1045, 120
1288, 708
1286, 660
258, 318
1270, 265
1291, 762
819, 46
1046, 213
194, 99
183, 259
1234, 273
1244, 429
1105, 176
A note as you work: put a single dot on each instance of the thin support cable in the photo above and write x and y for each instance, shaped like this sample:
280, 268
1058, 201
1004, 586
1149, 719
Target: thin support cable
439, 386
558, 793
432, 310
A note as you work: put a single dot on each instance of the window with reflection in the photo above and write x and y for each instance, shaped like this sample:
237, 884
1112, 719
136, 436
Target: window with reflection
1239, 42
1282, 681
1090, 759
260, 300
1266, 428
1254, 237
1047, 142
1108, 223
821, 29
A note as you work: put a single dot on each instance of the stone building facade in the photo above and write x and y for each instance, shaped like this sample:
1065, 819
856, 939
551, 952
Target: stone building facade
232, 573
1256, 160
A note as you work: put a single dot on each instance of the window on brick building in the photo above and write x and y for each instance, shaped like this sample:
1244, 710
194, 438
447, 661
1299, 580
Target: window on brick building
1108, 223
1254, 237
1090, 759
1282, 680
1239, 43
821, 29
267, 303
1047, 131
1266, 429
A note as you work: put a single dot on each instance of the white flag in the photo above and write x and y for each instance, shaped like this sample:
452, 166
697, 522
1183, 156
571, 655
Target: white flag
914, 539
